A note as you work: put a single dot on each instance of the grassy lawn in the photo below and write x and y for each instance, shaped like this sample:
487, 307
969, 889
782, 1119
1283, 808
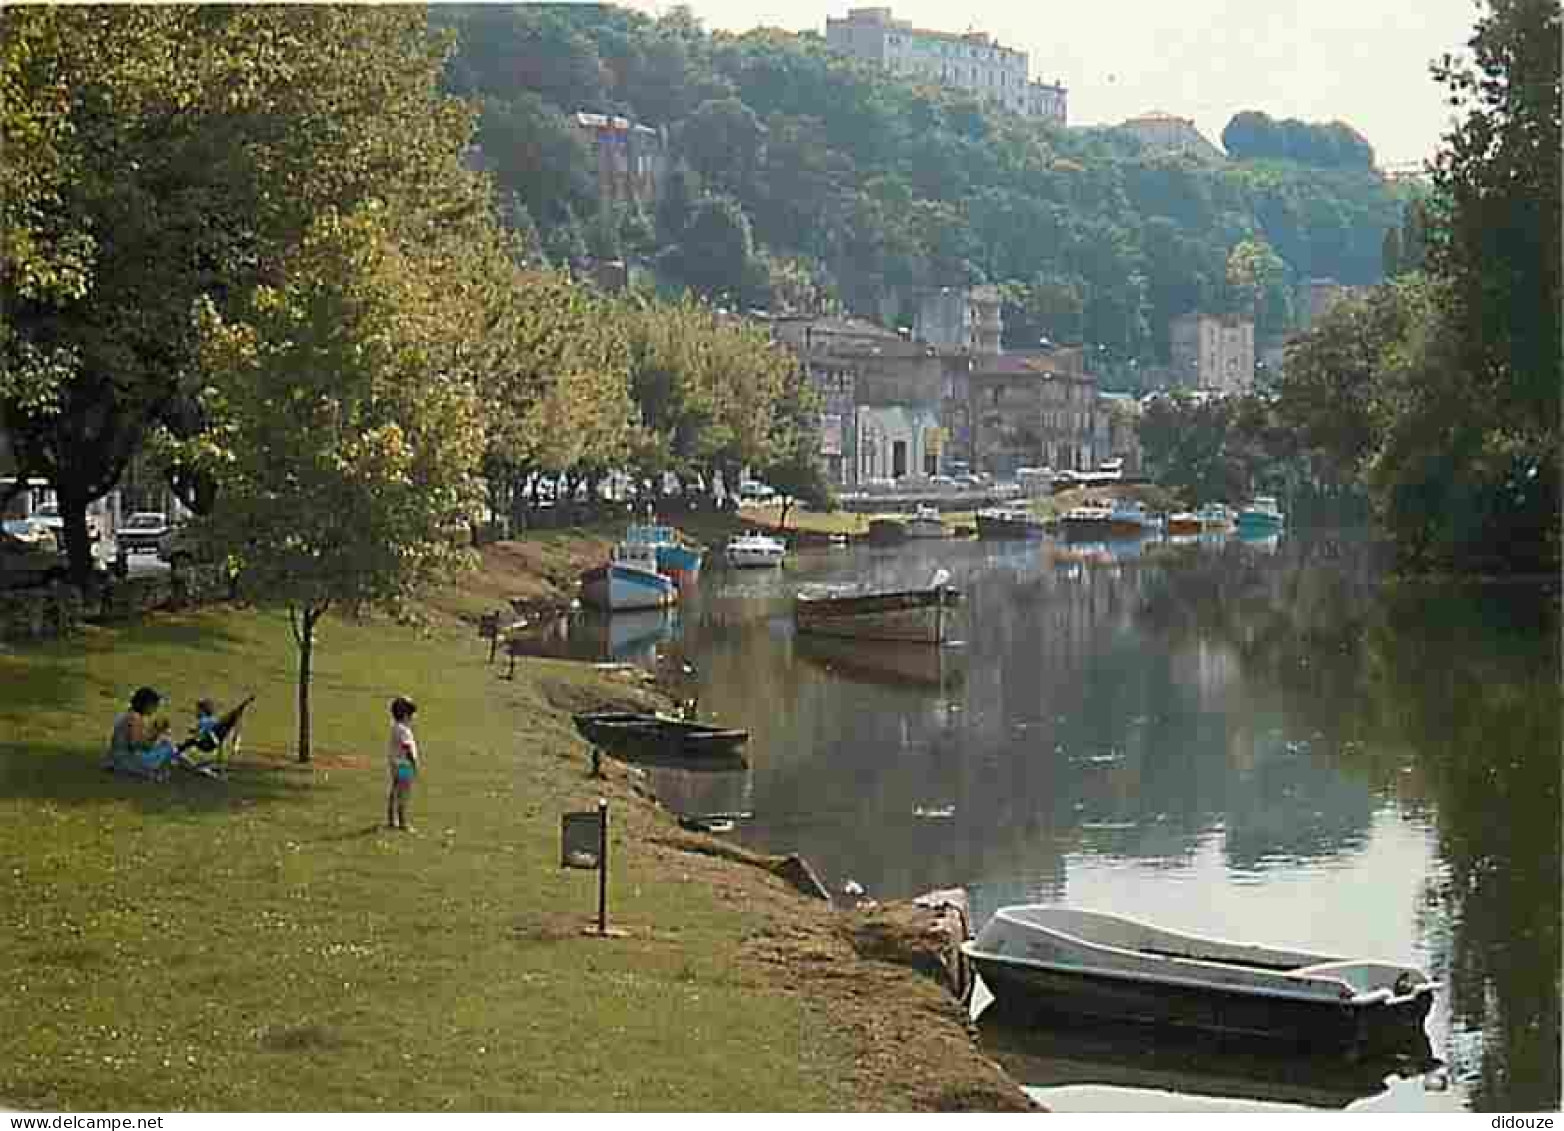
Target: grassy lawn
263, 943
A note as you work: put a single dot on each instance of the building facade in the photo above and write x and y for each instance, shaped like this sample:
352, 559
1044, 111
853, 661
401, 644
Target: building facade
972, 61
1037, 408
1212, 352
880, 417
1162, 131
632, 159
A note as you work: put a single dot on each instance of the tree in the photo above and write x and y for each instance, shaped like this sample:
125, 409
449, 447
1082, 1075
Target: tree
349, 445
166, 155
724, 141
792, 464
714, 252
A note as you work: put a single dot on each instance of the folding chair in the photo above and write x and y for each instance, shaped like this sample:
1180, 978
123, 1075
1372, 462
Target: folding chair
213, 740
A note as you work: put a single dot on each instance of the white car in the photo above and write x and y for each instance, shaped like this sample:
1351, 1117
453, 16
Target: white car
756, 492
49, 515
142, 531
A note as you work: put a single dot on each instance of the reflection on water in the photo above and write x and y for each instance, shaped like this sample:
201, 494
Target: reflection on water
1260, 740
1072, 1064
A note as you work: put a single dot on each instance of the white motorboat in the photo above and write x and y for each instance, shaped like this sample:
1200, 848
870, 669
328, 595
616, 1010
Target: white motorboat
1062, 960
752, 550
926, 523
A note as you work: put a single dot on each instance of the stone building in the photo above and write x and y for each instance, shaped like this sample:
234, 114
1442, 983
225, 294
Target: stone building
632, 159
1212, 352
881, 417
1036, 408
1162, 131
972, 61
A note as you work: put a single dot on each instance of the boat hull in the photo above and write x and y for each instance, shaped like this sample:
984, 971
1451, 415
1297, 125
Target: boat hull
887, 530
1103, 530
927, 528
917, 616
1056, 959
1026, 991
756, 553
653, 738
1007, 527
620, 588
682, 564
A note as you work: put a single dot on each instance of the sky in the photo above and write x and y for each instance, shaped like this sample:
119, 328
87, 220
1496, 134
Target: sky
1364, 62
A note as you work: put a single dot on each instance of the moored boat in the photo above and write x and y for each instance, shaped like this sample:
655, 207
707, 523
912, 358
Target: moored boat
1183, 522
678, 557
1008, 522
753, 550
1098, 520
920, 616
926, 523
887, 528
628, 580
646, 735
1261, 513
1215, 518
1063, 960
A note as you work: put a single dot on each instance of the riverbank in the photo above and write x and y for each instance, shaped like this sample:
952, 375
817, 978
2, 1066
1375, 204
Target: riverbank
263, 943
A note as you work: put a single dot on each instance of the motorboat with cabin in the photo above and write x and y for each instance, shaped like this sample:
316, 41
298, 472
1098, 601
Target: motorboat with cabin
630, 579
753, 550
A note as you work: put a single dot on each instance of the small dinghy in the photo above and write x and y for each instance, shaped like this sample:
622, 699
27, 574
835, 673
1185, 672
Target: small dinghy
1055, 959
658, 737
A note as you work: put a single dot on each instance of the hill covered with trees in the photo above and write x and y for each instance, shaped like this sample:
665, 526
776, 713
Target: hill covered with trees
803, 179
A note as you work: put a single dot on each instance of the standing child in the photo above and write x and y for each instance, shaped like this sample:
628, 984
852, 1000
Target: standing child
402, 760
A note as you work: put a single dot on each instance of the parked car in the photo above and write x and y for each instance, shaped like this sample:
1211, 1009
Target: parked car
754, 491
30, 530
142, 531
50, 516
29, 563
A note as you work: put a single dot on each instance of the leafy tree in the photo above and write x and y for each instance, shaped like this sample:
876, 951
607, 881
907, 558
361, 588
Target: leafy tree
724, 141
348, 451
714, 252
180, 153
792, 464
537, 155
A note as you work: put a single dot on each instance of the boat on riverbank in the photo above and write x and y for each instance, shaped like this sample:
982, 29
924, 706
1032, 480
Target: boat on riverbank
1215, 518
885, 528
629, 580
1183, 522
915, 616
1008, 522
642, 735
1109, 966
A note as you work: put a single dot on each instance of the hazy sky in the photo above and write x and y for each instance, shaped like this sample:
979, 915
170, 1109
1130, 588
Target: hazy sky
1364, 62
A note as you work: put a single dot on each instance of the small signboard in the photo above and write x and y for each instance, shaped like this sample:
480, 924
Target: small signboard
580, 840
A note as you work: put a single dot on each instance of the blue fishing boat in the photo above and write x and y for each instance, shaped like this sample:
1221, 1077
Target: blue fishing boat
1261, 514
677, 555
628, 580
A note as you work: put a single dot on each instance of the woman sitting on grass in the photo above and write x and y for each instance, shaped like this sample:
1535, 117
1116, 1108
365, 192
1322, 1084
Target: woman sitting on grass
140, 745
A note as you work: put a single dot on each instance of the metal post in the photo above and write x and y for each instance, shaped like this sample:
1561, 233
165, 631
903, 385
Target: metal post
602, 866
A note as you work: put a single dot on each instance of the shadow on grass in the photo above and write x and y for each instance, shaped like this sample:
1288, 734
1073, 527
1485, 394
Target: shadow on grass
70, 775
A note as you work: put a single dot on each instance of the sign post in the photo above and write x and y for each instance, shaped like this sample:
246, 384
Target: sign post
584, 844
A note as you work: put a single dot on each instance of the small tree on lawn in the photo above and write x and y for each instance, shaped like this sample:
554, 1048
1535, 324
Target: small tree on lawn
346, 445
793, 465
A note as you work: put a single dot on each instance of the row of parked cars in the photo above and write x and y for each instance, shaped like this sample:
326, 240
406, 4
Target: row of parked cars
32, 549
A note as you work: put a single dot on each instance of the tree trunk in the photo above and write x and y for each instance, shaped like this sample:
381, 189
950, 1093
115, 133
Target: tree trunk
787, 502
303, 621
78, 544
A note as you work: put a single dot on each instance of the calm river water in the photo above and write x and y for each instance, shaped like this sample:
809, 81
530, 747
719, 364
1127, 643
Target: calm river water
1255, 740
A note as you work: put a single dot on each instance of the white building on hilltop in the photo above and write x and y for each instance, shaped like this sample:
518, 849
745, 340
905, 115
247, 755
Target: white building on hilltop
970, 61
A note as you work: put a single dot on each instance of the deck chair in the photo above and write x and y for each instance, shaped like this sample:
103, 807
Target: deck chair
213, 741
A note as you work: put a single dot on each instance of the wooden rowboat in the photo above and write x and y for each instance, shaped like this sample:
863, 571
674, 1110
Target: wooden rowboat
1085, 962
915, 616
652, 737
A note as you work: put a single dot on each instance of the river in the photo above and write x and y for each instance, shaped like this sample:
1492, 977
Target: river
1260, 740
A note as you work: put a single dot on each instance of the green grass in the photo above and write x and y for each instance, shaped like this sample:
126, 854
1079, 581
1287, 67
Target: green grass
262, 944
